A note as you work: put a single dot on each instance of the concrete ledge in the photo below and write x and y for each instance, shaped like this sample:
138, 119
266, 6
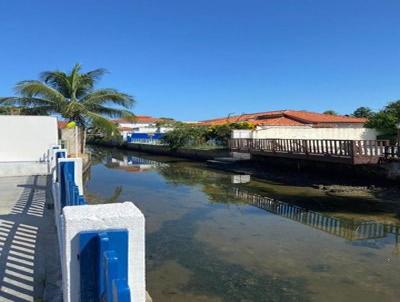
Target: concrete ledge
102, 217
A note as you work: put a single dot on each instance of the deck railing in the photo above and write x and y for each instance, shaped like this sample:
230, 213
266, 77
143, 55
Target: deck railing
332, 147
392, 152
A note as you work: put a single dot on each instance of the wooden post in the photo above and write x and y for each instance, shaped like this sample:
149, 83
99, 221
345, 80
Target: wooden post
353, 151
305, 147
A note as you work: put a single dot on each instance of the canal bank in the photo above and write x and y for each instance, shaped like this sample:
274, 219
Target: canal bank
189, 153
214, 236
266, 167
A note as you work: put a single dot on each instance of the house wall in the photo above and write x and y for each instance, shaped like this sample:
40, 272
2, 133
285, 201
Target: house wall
26, 138
148, 130
306, 132
136, 125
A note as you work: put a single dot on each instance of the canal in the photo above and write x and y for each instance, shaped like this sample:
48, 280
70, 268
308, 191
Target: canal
217, 236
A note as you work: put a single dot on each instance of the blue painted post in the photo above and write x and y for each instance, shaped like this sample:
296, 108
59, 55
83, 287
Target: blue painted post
58, 156
81, 200
66, 168
104, 254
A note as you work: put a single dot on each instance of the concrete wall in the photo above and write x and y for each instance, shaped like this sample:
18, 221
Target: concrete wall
72, 220
71, 137
26, 138
136, 125
305, 132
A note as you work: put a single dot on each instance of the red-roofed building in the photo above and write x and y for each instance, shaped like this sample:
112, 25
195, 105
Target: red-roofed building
289, 118
298, 125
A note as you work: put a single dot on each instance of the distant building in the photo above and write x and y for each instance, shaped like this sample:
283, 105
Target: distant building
142, 128
292, 124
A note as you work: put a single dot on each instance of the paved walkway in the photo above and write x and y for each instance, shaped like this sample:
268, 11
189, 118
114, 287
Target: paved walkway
29, 262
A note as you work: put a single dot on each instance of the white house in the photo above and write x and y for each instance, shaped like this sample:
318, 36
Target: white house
292, 124
141, 126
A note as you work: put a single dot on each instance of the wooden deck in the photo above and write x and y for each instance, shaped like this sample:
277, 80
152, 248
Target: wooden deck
354, 152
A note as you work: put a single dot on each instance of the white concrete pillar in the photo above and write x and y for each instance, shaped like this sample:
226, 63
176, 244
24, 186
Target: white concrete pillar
103, 217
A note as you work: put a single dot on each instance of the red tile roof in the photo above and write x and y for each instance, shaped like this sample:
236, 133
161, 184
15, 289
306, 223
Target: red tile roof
138, 119
314, 117
286, 118
277, 121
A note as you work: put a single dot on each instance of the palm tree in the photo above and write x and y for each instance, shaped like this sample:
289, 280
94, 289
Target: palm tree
72, 96
10, 110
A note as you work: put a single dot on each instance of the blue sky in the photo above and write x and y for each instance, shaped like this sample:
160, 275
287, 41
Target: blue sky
207, 58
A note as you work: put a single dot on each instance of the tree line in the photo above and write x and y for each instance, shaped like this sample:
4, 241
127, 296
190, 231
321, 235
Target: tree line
385, 120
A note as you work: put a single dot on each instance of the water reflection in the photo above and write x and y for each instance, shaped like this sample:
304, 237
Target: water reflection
347, 229
132, 163
240, 179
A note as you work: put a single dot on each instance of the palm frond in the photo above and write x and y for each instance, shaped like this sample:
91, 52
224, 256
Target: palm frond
32, 89
87, 81
7, 101
72, 96
111, 112
10, 110
95, 75
107, 126
58, 80
38, 110
103, 96
26, 101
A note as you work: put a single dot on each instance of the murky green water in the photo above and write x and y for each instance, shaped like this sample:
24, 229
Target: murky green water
215, 236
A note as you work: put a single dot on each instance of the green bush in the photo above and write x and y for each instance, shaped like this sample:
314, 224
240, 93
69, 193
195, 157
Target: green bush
191, 135
185, 135
386, 120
